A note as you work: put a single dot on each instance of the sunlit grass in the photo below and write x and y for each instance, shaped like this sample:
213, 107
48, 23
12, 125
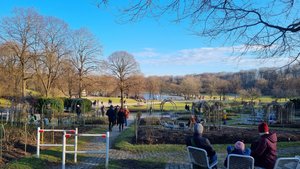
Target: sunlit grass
115, 100
4, 102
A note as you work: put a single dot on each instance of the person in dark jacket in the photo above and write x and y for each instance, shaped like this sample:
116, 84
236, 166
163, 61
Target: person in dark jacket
238, 148
121, 118
111, 117
264, 150
201, 142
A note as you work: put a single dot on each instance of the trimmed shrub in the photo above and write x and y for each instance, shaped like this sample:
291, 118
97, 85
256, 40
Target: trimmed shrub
70, 104
56, 105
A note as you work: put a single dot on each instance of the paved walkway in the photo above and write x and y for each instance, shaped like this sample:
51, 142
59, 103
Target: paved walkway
176, 160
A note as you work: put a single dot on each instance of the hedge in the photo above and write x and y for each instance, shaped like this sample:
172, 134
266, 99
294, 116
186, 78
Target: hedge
56, 104
70, 104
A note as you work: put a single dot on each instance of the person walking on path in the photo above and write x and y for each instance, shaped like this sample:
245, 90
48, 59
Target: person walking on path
264, 150
201, 142
121, 118
116, 111
78, 112
102, 109
127, 112
111, 117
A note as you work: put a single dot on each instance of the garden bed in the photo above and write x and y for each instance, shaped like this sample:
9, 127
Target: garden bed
226, 135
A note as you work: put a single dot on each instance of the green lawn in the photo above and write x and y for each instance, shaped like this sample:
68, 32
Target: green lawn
4, 102
115, 100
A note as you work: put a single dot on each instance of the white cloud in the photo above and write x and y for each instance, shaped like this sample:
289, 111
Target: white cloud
197, 60
147, 52
184, 56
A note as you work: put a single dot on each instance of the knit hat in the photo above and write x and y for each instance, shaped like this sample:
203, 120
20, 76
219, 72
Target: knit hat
263, 128
239, 145
198, 128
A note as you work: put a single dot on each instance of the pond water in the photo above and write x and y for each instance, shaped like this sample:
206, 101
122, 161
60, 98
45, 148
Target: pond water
147, 96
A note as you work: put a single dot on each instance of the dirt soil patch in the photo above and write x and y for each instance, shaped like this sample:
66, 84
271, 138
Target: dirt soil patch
226, 135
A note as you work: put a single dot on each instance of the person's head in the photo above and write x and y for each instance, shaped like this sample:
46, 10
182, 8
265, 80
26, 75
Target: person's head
78, 105
239, 146
111, 106
263, 128
198, 129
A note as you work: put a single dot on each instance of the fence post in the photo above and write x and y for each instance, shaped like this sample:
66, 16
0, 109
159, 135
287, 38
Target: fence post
107, 150
38, 143
64, 151
75, 146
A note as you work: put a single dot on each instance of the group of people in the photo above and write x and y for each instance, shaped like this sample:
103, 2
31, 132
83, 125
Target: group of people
117, 116
101, 110
263, 150
187, 107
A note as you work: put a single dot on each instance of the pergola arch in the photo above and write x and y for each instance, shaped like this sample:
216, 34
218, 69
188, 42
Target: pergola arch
209, 112
166, 101
273, 111
289, 112
201, 107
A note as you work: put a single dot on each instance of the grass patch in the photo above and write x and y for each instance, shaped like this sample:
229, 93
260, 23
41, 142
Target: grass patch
28, 163
52, 156
4, 102
282, 145
115, 100
133, 164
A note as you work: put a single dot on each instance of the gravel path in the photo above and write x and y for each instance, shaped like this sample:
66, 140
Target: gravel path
178, 160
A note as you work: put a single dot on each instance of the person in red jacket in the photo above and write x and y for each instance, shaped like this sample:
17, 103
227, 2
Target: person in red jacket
264, 150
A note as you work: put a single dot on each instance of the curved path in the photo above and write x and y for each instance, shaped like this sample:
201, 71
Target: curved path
176, 160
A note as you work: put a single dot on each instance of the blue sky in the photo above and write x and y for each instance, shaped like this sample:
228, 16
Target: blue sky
160, 46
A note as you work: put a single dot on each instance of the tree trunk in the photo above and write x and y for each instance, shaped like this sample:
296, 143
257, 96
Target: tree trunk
46, 93
122, 96
23, 84
80, 85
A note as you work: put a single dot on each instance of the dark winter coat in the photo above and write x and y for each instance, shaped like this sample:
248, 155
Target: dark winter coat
121, 116
201, 142
264, 151
111, 114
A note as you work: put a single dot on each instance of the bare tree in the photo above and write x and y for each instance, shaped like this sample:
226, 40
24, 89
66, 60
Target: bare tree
235, 84
10, 75
85, 49
222, 88
262, 85
135, 85
153, 85
20, 32
269, 28
122, 66
210, 84
251, 94
51, 52
67, 83
190, 86
108, 85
